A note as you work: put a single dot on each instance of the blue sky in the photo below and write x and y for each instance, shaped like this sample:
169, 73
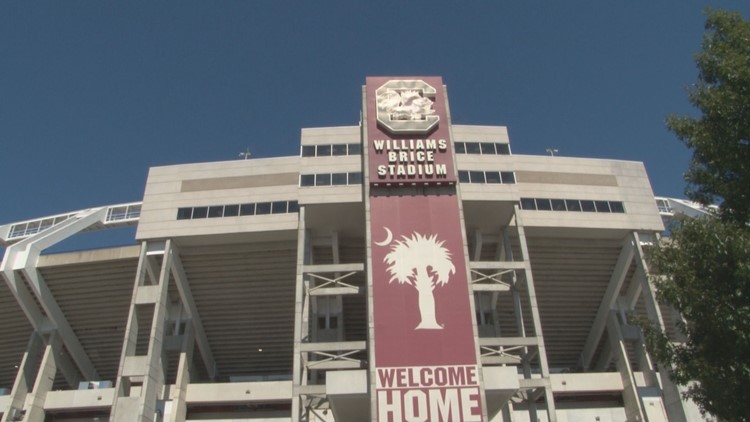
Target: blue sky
93, 93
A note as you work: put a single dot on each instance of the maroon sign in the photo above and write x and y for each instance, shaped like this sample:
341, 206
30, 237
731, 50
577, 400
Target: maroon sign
409, 142
424, 350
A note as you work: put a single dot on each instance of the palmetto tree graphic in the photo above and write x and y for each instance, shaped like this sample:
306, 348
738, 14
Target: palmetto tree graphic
422, 262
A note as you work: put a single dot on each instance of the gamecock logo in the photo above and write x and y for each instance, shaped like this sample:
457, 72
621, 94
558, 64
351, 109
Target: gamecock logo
405, 107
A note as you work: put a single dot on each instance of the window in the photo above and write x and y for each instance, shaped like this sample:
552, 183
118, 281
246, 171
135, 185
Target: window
231, 210
355, 149
484, 148
338, 179
200, 212
262, 208
215, 211
473, 148
616, 206
247, 209
339, 149
323, 179
487, 148
601, 206
184, 213
479, 176
528, 204
573, 204
543, 204
331, 149
234, 210
307, 180
476, 177
588, 206
508, 177
493, 177
328, 179
355, 178
278, 207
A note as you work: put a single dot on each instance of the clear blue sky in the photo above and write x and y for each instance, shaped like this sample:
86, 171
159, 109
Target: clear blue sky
93, 93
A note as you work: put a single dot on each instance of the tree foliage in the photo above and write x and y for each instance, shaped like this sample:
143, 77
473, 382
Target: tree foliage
707, 280
704, 269
720, 137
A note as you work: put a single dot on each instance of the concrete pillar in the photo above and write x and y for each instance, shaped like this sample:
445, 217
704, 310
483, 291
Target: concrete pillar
184, 367
534, 308
25, 377
631, 399
45, 379
149, 294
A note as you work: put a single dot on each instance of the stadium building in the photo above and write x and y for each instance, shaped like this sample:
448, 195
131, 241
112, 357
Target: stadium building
403, 269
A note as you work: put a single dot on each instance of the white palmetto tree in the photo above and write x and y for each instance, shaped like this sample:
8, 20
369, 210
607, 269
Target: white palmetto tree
422, 262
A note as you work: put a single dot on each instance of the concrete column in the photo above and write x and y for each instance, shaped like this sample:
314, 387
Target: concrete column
26, 376
631, 399
300, 319
179, 394
45, 378
549, 398
149, 293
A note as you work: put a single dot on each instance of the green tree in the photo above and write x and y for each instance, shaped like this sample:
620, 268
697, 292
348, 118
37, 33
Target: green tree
720, 137
704, 268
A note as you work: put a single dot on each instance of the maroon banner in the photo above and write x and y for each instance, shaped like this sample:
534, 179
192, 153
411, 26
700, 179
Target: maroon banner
424, 347
409, 142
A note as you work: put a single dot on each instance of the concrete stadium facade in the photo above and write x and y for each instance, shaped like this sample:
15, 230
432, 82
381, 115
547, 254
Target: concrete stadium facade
259, 289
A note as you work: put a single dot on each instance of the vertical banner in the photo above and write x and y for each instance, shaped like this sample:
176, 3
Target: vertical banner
424, 346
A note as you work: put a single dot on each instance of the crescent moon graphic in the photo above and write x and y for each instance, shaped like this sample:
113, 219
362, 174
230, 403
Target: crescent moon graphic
388, 238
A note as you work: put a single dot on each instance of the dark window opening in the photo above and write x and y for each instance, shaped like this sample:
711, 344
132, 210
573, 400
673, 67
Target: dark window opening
215, 211
543, 204
588, 206
200, 212
508, 177
263, 208
338, 179
323, 179
473, 148
184, 213
355, 149
231, 210
493, 177
278, 207
528, 204
558, 205
488, 148
247, 209
355, 178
